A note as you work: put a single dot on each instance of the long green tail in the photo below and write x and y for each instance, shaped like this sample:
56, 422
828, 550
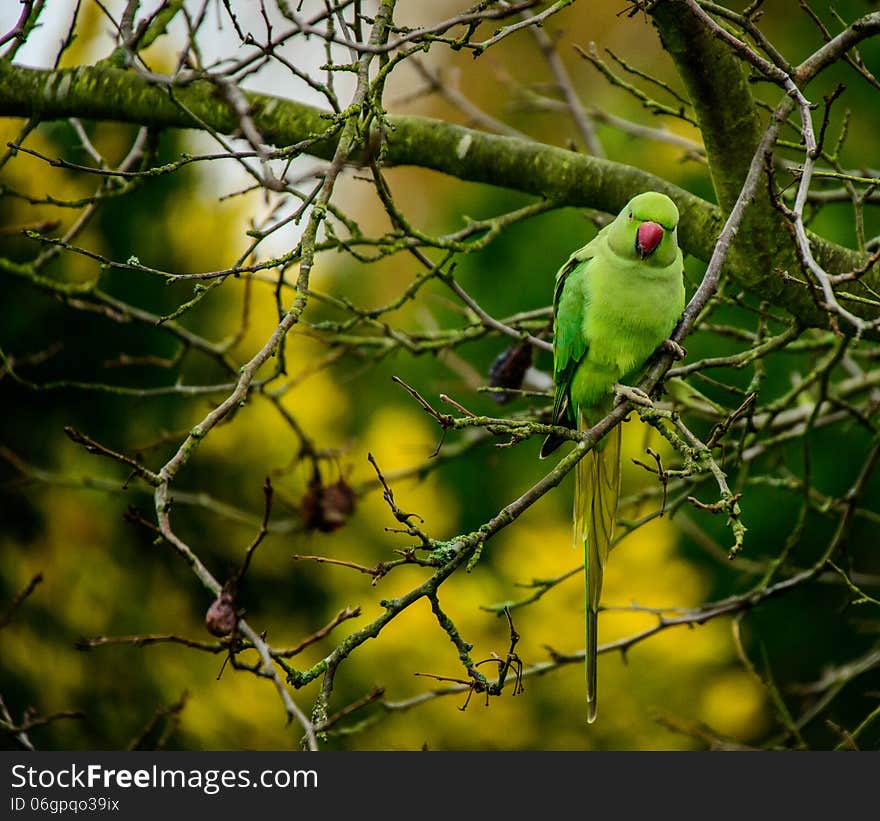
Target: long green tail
597, 489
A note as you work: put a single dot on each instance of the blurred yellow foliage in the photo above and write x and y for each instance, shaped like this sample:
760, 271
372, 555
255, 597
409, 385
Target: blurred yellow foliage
734, 705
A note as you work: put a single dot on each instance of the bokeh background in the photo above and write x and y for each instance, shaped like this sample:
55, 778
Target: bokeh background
61, 510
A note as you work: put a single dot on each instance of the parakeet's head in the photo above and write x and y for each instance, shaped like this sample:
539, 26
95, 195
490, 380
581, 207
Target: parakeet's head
646, 229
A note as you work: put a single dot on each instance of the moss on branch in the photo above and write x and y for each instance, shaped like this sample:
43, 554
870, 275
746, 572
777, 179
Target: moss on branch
732, 128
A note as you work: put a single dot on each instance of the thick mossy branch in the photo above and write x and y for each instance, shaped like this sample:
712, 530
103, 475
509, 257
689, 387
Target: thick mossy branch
718, 86
106, 93
717, 80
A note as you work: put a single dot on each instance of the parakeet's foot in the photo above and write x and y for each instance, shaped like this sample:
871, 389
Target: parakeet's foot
635, 395
671, 346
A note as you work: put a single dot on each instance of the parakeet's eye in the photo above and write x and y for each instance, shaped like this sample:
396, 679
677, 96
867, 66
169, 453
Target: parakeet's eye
630, 215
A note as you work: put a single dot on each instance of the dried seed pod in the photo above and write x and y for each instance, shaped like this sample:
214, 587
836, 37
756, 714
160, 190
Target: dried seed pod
327, 507
221, 617
509, 369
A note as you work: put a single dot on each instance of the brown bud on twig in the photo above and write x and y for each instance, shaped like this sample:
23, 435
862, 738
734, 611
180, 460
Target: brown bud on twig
327, 507
221, 617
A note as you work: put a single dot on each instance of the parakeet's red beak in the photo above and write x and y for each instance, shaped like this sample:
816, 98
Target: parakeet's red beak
648, 238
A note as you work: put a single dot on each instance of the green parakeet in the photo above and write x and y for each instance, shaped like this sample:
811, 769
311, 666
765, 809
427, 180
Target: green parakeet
616, 300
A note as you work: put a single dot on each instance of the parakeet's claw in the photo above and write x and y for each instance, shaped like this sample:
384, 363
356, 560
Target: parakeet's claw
634, 395
671, 346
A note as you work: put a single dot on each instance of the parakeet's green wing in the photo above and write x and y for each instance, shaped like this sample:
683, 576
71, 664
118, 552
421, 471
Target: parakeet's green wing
569, 343
597, 477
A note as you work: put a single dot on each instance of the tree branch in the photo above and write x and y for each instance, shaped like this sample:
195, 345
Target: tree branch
568, 178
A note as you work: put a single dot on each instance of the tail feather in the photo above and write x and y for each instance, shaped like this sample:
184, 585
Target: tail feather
592, 623
597, 489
